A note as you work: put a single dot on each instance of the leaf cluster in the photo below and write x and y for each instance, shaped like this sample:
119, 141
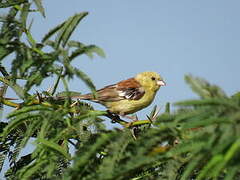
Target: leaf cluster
199, 140
35, 61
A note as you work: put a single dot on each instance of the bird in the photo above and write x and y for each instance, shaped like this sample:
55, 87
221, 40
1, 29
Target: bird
127, 96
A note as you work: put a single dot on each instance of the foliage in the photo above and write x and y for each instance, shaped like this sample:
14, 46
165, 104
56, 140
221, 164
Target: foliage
200, 140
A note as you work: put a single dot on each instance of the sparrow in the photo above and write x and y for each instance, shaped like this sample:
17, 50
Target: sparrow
127, 96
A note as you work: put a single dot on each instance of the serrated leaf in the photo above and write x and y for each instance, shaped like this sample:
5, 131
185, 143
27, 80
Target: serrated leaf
17, 89
68, 93
97, 50
28, 109
210, 102
75, 44
11, 3
86, 79
39, 5
87, 50
167, 107
56, 83
24, 14
52, 32
30, 39
34, 79
16, 122
68, 27
203, 88
2, 159
54, 146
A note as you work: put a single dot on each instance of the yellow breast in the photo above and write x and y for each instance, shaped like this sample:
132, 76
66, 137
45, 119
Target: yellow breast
126, 106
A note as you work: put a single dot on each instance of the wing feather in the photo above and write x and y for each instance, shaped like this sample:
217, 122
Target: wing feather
127, 89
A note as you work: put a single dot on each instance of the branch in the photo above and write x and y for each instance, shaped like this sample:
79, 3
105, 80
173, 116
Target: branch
137, 123
9, 103
116, 118
18, 90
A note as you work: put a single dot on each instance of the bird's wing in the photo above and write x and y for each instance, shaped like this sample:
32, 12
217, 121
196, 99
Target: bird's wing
130, 89
127, 89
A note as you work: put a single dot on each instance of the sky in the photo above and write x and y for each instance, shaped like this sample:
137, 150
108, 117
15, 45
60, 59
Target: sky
173, 38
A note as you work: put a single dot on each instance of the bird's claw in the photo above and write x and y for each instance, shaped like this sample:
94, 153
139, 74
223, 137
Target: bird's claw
114, 117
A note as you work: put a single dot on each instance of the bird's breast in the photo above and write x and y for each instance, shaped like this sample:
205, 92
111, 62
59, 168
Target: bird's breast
131, 106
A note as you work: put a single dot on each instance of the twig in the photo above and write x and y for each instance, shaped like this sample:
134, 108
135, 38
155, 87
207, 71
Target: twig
137, 123
18, 90
116, 118
9, 103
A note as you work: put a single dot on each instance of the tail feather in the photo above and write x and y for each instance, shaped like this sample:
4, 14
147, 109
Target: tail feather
82, 97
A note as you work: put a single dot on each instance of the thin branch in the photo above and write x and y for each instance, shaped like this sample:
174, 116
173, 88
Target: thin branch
138, 123
9, 103
115, 118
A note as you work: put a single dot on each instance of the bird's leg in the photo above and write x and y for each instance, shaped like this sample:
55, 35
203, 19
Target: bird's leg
114, 117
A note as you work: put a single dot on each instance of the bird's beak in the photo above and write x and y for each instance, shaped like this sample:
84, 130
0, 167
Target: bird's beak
161, 83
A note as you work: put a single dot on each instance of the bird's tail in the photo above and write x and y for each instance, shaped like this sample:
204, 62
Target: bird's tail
82, 97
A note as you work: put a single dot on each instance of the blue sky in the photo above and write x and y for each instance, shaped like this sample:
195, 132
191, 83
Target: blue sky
173, 38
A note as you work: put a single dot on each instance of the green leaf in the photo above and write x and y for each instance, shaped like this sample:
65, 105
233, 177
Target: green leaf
4, 52
94, 49
75, 44
18, 89
67, 29
203, 88
87, 50
56, 83
52, 32
210, 102
68, 93
54, 146
27, 109
10, 3
18, 121
209, 167
191, 165
30, 38
24, 14
167, 107
86, 79
231, 173
90, 114
39, 5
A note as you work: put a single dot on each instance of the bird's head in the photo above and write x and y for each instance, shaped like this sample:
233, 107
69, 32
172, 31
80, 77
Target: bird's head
151, 80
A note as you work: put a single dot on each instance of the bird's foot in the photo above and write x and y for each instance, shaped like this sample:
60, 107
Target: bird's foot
114, 117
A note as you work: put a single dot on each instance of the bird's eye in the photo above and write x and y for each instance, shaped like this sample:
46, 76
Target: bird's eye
153, 78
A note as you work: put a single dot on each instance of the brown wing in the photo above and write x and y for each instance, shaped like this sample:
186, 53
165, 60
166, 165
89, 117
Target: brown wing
127, 89
129, 83
108, 93
130, 89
